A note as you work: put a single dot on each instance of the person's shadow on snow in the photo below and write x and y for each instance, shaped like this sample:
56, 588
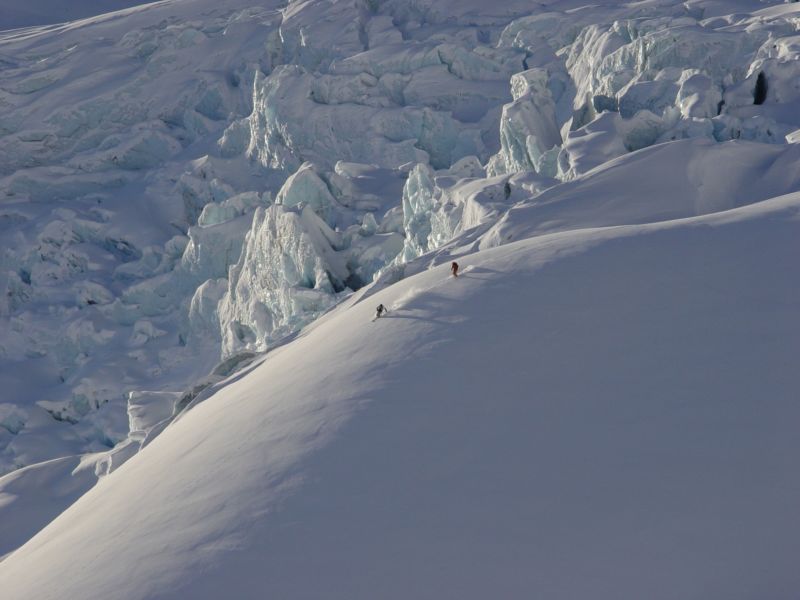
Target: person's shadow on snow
419, 310
475, 272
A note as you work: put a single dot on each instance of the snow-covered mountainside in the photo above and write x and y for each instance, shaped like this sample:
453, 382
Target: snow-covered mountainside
602, 413
202, 202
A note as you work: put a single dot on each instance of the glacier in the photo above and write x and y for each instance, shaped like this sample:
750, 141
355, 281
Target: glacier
186, 187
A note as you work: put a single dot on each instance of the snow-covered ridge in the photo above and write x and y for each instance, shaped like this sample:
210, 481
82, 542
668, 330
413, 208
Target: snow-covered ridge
187, 184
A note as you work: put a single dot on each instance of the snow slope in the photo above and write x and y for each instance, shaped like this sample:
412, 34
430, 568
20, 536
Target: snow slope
28, 13
669, 181
604, 413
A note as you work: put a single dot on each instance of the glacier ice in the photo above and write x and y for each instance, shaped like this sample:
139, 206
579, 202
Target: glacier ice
528, 126
305, 187
223, 180
288, 271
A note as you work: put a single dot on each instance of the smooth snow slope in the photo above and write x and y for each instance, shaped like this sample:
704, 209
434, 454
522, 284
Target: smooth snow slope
33, 496
27, 13
605, 413
675, 180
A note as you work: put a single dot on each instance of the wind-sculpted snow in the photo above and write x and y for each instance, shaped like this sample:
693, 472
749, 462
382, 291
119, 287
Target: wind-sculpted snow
187, 183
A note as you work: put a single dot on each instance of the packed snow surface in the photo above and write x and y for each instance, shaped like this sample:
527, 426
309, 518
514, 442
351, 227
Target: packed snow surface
202, 202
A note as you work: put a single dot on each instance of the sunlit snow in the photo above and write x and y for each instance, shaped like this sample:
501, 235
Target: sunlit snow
203, 201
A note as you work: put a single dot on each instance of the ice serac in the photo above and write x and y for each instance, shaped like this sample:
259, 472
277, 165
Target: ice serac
418, 204
299, 116
666, 75
288, 274
529, 131
440, 205
605, 138
607, 63
320, 238
698, 97
305, 187
148, 414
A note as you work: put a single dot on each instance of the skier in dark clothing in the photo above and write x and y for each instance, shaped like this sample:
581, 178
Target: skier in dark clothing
380, 310
454, 268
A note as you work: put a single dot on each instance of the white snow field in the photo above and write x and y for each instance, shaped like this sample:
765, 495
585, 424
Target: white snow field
30, 13
203, 201
604, 413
